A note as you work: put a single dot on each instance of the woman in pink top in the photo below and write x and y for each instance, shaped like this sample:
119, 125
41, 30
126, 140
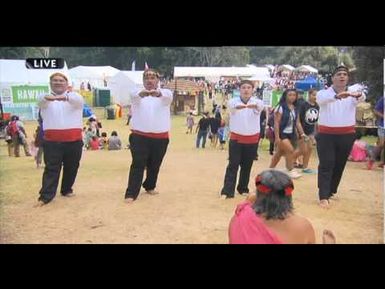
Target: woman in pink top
268, 218
358, 152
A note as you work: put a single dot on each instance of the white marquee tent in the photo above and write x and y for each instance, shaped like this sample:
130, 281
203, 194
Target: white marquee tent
95, 75
14, 71
20, 86
122, 84
286, 67
307, 68
214, 73
270, 66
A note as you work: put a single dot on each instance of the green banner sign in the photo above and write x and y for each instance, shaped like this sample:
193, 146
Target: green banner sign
27, 93
276, 96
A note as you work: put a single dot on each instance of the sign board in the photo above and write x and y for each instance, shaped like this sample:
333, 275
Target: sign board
6, 95
266, 98
27, 93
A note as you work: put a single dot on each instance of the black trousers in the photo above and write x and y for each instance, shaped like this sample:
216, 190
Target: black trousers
56, 156
240, 155
147, 153
333, 152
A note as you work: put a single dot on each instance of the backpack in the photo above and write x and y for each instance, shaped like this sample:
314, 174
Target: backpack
12, 128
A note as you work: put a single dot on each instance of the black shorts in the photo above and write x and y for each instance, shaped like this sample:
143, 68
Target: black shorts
291, 137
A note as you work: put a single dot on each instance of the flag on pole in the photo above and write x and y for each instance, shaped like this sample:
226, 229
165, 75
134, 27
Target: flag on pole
133, 66
145, 66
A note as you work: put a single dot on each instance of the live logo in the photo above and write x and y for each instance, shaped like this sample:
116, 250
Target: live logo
44, 63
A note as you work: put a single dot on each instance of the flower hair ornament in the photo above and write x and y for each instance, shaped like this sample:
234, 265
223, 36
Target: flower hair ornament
264, 189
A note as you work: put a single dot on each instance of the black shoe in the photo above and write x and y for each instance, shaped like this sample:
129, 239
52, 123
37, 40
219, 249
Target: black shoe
68, 194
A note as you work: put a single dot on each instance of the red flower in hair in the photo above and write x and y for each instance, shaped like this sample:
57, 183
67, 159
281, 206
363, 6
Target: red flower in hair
288, 191
263, 189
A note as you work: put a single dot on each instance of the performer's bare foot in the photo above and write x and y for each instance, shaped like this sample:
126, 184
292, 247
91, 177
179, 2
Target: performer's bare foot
328, 237
152, 192
324, 204
129, 200
39, 204
223, 197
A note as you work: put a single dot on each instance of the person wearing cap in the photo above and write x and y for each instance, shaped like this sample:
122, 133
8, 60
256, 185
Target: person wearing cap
244, 137
336, 132
62, 114
149, 138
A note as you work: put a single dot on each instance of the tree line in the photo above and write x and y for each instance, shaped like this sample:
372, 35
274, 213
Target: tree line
367, 60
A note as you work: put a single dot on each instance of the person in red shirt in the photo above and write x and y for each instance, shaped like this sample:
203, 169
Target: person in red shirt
94, 143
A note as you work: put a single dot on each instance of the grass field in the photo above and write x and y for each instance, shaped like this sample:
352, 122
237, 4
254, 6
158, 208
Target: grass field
188, 208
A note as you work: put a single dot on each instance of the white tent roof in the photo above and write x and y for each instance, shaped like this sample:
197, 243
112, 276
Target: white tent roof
287, 67
94, 74
135, 76
101, 71
198, 71
307, 68
270, 66
260, 78
104, 71
14, 71
122, 84
83, 72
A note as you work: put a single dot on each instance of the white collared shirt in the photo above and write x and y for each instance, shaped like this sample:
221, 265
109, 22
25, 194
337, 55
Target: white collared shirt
59, 115
337, 112
245, 121
151, 114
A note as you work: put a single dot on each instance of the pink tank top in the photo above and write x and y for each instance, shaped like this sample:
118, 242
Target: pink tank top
246, 227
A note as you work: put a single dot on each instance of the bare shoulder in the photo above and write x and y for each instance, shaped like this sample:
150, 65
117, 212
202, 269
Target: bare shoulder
301, 222
303, 225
